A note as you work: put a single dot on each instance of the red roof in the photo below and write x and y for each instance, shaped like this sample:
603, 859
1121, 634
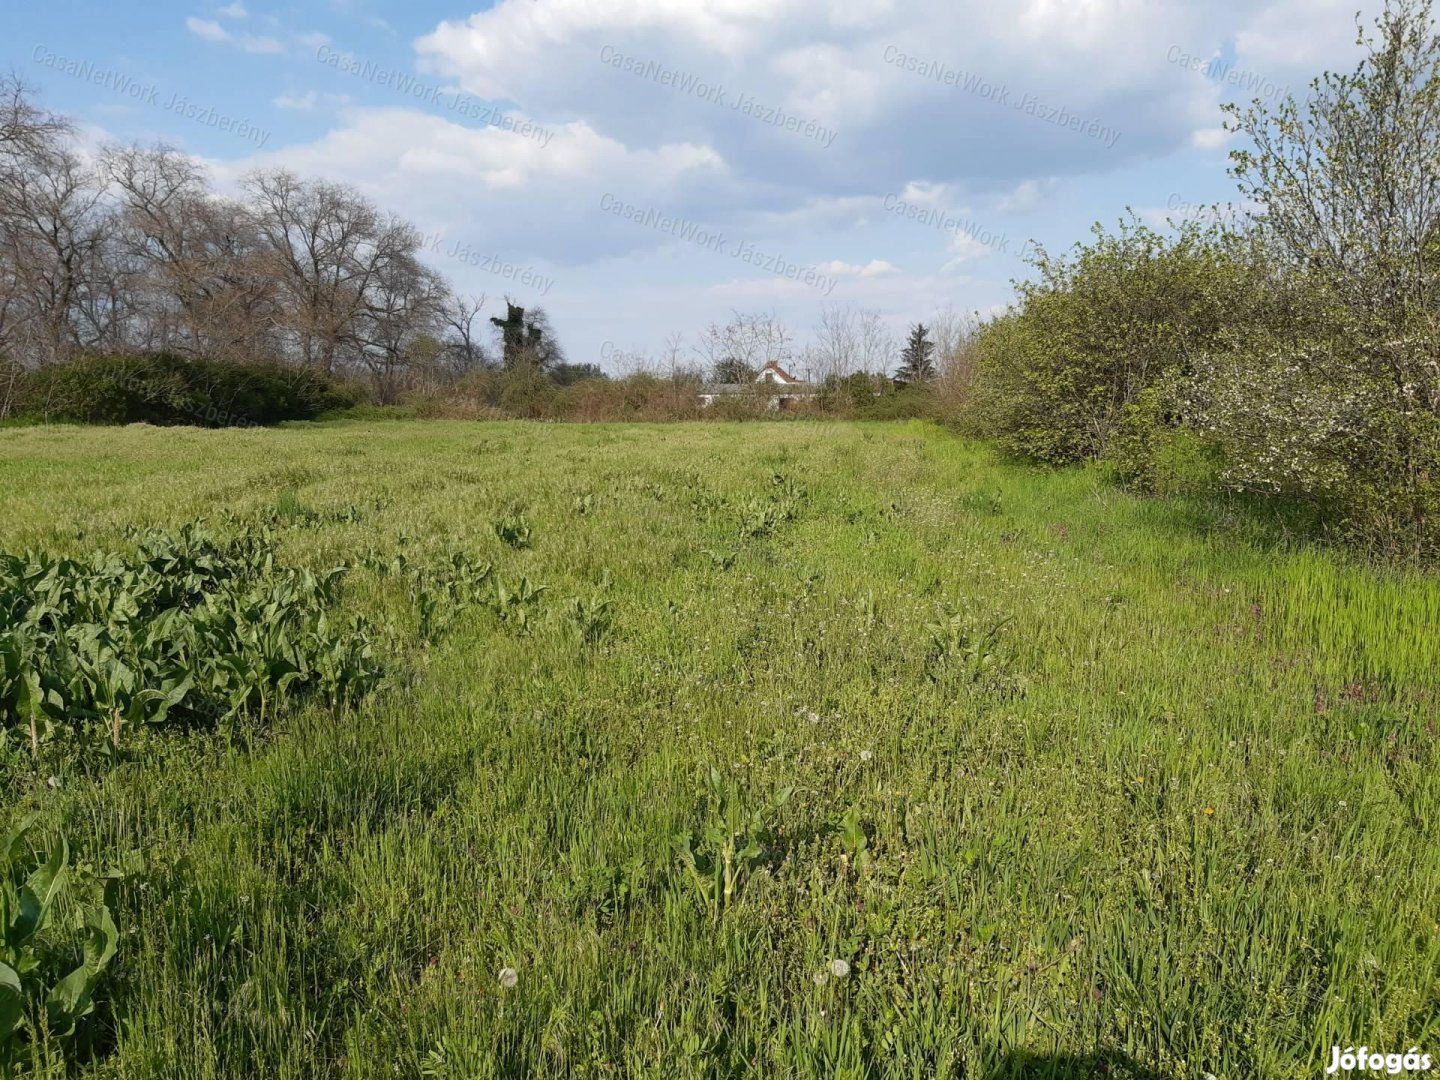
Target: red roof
785, 375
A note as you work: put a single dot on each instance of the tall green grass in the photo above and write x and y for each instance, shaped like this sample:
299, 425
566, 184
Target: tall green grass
1082, 784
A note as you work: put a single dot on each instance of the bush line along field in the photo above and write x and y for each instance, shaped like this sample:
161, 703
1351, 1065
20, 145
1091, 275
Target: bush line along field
784, 750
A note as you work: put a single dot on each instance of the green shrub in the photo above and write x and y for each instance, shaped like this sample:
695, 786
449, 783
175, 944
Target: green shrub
161, 388
1152, 450
527, 392
1318, 422
903, 403
1058, 375
842, 395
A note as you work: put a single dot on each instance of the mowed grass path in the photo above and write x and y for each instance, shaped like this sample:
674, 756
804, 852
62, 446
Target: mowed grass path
1083, 784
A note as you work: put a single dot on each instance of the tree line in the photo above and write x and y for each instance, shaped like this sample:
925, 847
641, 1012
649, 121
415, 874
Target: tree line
130, 251
129, 288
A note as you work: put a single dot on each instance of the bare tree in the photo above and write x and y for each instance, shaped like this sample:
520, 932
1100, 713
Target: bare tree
954, 334
26, 128
29, 137
328, 247
748, 342
398, 330
52, 226
464, 352
683, 380
542, 341
848, 341
877, 343
836, 350
135, 251
199, 258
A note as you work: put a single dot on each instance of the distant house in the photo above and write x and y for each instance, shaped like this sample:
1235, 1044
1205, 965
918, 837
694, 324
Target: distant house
774, 384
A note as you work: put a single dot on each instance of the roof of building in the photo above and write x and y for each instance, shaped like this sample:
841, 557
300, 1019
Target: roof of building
785, 376
780, 378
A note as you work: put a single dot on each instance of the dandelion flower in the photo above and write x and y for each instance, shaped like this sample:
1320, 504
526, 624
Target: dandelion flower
819, 977
866, 755
508, 978
1209, 811
839, 968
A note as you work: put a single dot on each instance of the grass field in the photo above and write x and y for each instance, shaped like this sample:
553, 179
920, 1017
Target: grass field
1073, 783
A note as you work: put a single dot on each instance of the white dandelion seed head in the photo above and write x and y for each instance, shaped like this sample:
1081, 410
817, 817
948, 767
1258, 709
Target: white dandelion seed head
819, 977
508, 978
839, 968
866, 755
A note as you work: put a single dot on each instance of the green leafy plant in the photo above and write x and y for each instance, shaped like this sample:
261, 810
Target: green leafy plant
758, 518
854, 840
514, 531
966, 654
721, 560
514, 602
591, 618
46, 927
184, 628
722, 857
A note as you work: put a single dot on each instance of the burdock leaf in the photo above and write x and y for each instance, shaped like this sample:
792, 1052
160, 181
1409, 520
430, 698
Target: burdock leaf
12, 1002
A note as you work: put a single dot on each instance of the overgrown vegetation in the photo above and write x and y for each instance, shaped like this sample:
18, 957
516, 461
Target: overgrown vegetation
183, 629
1291, 357
780, 749
167, 389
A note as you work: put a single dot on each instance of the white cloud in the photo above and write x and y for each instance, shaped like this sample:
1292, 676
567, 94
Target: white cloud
538, 192
310, 101
874, 268
929, 195
978, 158
1100, 62
252, 43
233, 11
207, 29
963, 247
1060, 71
1301, 34
1214, 138
210, 30
1027, 196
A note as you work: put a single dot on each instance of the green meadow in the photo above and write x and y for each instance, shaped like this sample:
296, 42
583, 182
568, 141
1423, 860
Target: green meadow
780, 750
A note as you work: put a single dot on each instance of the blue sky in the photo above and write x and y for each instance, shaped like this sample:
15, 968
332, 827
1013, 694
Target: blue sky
642, 167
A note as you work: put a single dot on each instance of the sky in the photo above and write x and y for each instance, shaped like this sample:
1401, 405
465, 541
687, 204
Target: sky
642, 168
